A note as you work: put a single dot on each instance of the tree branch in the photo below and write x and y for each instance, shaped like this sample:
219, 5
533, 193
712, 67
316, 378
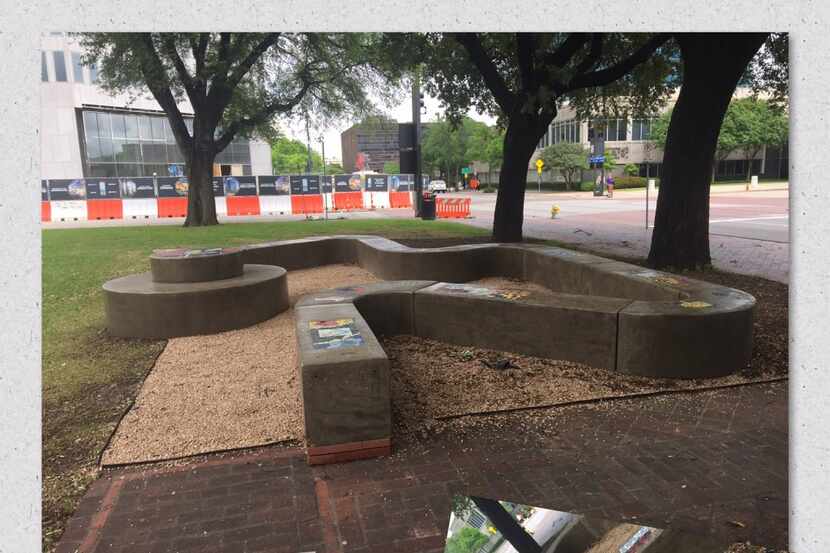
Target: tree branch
276, 106
252, 57
199, 49
155, 76
168, 41
494, 81
525, 45
593, 55
611, 74
562, 55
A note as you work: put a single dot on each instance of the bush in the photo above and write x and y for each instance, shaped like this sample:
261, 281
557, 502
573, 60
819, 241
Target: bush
634, 182
586, 186
489, 189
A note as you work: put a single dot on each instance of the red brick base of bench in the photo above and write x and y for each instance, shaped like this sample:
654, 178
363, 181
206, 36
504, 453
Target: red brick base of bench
351, 451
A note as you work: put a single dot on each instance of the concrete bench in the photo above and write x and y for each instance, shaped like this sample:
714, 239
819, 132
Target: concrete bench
190, 292
344, 371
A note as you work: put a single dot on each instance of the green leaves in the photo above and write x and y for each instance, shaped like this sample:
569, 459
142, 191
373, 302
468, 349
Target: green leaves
569, 159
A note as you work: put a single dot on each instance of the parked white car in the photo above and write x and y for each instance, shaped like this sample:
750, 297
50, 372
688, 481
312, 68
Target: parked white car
437, 186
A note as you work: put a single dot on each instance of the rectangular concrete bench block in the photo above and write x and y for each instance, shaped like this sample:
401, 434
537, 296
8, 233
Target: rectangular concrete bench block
346, 395
568, 327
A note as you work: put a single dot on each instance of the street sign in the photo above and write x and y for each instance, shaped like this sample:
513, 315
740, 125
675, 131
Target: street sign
539, 165
466, 170
597, 159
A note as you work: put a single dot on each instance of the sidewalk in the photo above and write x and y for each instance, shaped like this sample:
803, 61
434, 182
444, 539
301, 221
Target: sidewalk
765, 259
706, 462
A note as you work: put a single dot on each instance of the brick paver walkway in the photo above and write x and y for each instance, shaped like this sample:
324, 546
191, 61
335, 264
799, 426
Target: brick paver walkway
713, 462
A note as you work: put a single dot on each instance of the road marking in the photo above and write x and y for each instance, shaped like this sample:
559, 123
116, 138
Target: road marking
743, 219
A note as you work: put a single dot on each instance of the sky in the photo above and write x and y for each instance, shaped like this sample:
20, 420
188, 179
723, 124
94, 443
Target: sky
402, 113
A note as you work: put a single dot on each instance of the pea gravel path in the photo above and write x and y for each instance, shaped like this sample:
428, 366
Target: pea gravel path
240, 389
223, 391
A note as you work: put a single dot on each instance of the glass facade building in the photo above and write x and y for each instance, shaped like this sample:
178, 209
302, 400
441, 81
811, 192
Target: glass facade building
125, 144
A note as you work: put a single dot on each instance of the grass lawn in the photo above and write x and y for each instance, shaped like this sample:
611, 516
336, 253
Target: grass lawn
89, 378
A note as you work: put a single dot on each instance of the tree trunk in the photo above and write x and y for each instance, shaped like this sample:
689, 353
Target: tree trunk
507, 526
519, 144
712, 65
201, 206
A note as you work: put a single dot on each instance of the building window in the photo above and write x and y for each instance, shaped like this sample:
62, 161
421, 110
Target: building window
476, 519
120, 144
60, 66
641, 128
93, 73
44, 71
616, 130
77, 68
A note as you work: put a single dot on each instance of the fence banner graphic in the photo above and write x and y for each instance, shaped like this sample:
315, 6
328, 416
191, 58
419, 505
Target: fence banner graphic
67, 189
376, 183
240, 186
401, 183
218, 187
326, 184
305, 184
347, 183
172, 187
102, 189
273, 185
44, 191
137, 187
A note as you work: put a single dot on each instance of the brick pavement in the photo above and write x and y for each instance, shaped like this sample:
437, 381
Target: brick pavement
707, 462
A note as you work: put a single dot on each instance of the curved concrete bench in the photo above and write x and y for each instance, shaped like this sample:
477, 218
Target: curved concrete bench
661, 324
189, 292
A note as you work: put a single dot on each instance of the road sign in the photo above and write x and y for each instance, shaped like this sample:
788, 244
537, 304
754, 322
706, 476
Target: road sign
466, 170
597, 159
539, 165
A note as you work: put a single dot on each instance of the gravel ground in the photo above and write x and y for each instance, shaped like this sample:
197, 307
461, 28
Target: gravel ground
432, 380
223, 391
239, 389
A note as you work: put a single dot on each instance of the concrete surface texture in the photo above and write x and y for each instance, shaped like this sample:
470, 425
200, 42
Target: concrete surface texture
138, 307
664, 325
183, 265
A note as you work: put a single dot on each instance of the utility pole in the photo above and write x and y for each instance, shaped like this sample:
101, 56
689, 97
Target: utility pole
417, 104
323, 183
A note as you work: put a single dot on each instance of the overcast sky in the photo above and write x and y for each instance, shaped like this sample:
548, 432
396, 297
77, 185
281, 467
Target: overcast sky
402, 113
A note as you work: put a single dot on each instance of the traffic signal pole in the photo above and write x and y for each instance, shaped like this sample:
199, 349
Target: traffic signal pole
417, 104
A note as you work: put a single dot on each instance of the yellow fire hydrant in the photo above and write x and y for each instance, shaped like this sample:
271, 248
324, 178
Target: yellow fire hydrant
554, 211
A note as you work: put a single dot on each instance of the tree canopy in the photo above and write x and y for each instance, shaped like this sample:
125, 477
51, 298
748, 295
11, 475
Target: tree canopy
468, 540
238, 83
523, 78
290, 156
748, 125
569, 159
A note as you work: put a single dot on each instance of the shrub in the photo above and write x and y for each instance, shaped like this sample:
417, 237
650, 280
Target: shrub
586, 186
632, 170
489, 189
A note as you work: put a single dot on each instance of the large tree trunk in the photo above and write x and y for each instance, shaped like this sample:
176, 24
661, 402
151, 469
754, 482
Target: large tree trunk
201, 206
507, 526
519, 144
712, 65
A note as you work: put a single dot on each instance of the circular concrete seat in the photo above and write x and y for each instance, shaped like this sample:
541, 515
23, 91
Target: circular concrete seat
138, 307
195, 265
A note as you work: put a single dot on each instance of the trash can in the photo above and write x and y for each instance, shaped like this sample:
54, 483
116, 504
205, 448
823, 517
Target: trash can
428, 207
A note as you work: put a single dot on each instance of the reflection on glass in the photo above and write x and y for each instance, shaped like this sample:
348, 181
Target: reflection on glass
60, 65
480, 525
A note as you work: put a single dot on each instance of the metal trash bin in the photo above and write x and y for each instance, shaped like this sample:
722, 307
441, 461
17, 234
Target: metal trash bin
428, 207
